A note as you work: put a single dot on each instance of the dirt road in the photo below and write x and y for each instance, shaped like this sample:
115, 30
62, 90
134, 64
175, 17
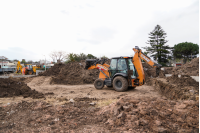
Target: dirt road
42, 84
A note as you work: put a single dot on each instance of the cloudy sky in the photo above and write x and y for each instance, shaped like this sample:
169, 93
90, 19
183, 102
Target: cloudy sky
31, 30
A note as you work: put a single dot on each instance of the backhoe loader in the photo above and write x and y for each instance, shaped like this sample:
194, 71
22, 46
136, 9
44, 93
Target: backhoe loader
123, 72
19, 67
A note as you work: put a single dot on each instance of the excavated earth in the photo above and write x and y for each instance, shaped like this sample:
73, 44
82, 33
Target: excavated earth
127, 115
14, 87
173, 87
71, 74
191, 68
152, 115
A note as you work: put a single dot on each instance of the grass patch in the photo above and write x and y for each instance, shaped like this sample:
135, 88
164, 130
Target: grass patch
105, 102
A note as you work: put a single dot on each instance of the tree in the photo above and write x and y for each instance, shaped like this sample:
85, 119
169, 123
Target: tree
29, 62
58, 55
104, 57
158, 48
185, 50
23, 61
72, 57
90, 56
16, 60
83, 56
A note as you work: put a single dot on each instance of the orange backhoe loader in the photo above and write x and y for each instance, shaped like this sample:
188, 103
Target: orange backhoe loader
123, 72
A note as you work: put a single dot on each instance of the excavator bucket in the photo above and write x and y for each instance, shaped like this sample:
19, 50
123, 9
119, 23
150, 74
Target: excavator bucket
90, 62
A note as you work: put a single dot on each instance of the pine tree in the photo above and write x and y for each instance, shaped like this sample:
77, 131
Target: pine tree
158, 48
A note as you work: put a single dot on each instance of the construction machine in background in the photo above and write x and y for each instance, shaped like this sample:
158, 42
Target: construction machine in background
31, 69
19, 67
28, 69
123, 72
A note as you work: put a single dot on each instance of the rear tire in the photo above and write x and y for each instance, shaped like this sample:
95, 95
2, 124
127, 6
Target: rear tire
120, 84
98, 84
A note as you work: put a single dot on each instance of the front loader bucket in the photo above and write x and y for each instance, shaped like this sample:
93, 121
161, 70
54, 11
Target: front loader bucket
90, 62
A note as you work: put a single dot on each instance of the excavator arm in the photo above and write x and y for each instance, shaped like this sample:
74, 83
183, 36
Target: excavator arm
19, 66
98, 64
138, 64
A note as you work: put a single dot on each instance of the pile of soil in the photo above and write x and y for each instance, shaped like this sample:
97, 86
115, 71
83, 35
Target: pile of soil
152, 115
191, 68
75, 74
184, 80
168, 70
15, 87
148, 70
176, 88
72, 73
53, 71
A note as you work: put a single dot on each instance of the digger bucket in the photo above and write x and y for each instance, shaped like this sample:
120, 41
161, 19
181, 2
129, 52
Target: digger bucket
90, 62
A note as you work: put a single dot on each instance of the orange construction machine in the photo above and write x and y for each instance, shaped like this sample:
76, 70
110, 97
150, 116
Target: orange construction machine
123, 72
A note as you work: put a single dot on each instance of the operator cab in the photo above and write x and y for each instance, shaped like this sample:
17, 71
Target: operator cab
122, 66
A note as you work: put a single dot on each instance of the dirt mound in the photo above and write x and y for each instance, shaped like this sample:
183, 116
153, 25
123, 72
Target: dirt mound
75, 74
53, 71
14, 87
151, 115
184, 80
174, 89
191, 68
71, 74
168, 70
148, 70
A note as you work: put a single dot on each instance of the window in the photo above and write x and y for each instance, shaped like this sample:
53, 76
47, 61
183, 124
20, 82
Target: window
113, 64
113, 67
132, 67
121, 66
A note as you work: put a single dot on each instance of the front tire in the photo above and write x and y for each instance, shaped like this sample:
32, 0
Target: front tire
120, 84
98, 84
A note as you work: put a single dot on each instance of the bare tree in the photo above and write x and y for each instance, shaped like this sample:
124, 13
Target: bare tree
58, 55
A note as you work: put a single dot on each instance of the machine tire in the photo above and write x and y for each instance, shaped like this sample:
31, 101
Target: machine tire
120, 84
30, 72
98, 84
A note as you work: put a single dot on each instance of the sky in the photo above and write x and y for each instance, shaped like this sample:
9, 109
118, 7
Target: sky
31, 30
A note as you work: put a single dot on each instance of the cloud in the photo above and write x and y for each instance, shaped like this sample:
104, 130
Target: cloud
89, 5
99, 35
65, 12
103, 34
18, 53
88, 41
